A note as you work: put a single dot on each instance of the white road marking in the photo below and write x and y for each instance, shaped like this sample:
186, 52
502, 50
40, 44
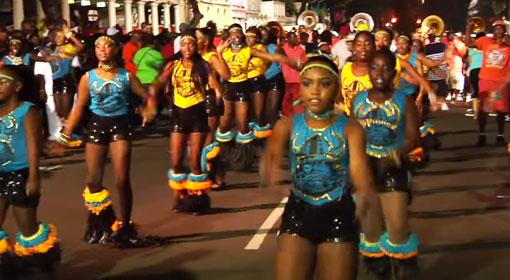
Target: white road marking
268, 224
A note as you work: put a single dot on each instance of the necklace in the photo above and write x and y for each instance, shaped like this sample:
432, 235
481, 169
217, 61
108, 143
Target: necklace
321, 116
107, 67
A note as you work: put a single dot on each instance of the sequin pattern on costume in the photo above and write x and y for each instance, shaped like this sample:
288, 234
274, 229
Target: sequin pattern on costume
319, 160
384, 123
109, 98
13, 143
8, 127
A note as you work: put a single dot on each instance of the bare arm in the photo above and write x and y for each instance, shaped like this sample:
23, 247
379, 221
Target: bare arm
33, 132
412, 133
361, 175
412, 72
431, 63
79, 106
137, 87
277, 145
277, 58
220, 66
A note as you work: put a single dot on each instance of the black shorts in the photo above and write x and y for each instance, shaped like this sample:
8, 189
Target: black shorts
390, 178
13, 189
258, 84
65, 85
440, 87
333, 222
238, 92
277, 83
212, 107
474, 79
103, 130
192, 119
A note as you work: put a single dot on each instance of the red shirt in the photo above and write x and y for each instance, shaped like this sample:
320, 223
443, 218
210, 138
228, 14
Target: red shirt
495, 61
290, 74
168, 51
128, 52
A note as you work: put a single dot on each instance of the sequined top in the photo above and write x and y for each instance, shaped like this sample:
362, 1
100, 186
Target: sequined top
109, 98
257, 66
17, 60
275, 68
186, 93
384, 123
237, 63
62, 67
13, 141
319, 160
406, 86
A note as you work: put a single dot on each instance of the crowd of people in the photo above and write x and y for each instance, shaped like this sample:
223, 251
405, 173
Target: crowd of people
351, 113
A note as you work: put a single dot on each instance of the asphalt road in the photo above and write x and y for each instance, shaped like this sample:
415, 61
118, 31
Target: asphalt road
460, 212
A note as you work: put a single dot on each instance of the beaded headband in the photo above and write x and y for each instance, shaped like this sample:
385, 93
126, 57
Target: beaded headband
404, 37
318, 65
15, 41
235, 28
383, 33
251, 34
7, 77
105, 38
188, 37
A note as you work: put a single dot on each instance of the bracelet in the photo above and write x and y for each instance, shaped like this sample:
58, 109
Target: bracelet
64, 138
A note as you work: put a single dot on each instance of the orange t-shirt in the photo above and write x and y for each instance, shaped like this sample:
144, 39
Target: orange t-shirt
496, 58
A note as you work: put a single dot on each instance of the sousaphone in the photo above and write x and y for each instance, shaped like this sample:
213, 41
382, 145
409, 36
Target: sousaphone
361, 22
432, 25
308, 19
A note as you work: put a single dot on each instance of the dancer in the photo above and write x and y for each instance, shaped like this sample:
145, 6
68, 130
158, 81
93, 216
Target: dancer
389, 119
237, 95
105, 91
190, 77
256, 69
214, 104
64, 85
318, 232
274, 77
494, 91
20, 131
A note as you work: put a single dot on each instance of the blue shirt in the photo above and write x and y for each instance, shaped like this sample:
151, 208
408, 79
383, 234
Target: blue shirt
109, 98
13, 141
275, 68
319, 161
406, 86
60, 68
383, 123
17, 60
476, 58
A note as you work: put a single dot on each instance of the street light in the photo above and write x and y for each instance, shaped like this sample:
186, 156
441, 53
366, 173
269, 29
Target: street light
393, 20
418, 21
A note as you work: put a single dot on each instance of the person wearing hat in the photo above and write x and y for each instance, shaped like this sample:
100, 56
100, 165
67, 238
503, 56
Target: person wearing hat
494, 92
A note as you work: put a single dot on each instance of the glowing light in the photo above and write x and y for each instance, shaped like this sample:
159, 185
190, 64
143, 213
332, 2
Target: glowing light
101, 4
418, 21
85, 3
393, 20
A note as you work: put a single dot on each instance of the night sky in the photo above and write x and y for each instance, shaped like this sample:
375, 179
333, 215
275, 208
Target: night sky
453, 12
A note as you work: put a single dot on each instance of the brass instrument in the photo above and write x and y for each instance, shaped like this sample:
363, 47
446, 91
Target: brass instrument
478, 24
432, 25
361, 22
308, 19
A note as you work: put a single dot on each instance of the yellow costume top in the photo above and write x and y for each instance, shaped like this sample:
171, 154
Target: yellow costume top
186, 93
257, 66
237, 64
207, 57
398, 68
352, 85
